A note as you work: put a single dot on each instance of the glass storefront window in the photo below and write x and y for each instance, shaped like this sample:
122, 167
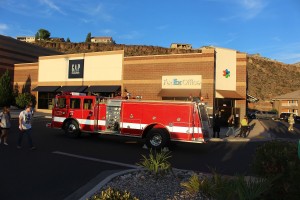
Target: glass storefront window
45, 100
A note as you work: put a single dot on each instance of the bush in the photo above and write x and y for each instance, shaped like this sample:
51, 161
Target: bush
24, 99
278, 161
157, 163
193, 185
220, 187
113, 194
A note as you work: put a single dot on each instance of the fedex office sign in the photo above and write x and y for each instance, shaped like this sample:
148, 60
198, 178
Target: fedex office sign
182, 82
76, 68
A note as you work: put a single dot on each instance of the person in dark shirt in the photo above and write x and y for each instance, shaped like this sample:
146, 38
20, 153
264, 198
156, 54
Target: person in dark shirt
216, 126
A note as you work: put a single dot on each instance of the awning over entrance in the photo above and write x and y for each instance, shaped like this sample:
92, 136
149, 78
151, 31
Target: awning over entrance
179, 92
46, 88
227, 94
72, 89
104, 89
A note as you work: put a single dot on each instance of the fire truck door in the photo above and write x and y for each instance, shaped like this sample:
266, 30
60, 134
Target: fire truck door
88, 116
60, 111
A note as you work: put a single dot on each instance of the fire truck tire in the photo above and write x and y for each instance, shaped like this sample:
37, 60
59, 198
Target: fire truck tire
157, 138
72, 129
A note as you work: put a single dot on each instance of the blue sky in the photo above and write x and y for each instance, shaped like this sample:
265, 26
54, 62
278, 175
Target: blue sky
268, 27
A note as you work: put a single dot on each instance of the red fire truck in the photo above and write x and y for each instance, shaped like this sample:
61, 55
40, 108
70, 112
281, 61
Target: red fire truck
157, 122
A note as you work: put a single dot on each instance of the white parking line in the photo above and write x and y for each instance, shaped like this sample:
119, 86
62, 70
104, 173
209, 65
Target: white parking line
96, 159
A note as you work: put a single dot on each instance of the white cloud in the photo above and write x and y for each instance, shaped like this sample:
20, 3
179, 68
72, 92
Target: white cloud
289, 58
52, 6
107, 31
90, 11
3, 28
130, 36
245, 9
252, 8
162, 27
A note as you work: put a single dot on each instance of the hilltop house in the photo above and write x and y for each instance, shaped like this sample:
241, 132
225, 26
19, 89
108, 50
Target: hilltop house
180, 46
287, 102
30, 39
105, 40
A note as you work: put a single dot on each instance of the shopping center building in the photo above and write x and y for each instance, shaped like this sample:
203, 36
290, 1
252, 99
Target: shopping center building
216, 77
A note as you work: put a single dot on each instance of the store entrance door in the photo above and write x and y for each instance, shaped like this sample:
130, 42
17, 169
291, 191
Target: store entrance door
225, 108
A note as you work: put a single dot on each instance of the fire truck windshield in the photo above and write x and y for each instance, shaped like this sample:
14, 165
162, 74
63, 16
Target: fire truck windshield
60, 102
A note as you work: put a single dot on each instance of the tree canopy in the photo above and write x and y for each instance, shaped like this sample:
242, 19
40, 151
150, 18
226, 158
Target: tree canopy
88, 37
43, 34
6, 92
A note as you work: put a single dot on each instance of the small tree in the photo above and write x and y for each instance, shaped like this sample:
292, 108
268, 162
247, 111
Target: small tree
68, 40
23, 99
44, 34
88, 37
37, 36
6, 92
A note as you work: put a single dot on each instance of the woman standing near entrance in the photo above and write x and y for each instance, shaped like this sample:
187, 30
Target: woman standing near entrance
216, 125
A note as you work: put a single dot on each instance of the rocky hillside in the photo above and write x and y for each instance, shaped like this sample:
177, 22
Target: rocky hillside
266, 78
129, 50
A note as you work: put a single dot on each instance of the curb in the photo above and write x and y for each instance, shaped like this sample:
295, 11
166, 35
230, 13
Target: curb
104, 182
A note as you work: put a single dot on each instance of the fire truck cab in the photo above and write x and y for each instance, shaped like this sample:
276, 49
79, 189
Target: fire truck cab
158, 122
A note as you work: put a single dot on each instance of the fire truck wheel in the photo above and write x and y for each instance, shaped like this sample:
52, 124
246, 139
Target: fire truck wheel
72, 129
157, 138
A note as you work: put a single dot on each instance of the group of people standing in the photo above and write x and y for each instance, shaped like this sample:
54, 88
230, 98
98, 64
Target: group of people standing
231, 126
25, 119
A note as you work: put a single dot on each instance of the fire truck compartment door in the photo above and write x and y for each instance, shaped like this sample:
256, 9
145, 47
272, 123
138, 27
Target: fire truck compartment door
132, 127
180, 127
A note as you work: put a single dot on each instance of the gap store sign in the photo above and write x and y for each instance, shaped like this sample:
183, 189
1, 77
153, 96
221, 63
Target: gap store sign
182, 82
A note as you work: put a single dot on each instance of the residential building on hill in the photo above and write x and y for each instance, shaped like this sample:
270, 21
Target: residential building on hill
57, 39
30, 39
180, 46
106, 40
287, 103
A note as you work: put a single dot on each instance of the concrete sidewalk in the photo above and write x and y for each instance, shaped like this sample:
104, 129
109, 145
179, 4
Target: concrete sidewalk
257, 133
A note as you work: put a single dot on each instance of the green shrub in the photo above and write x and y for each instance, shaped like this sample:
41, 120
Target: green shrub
220, 187
157, 163
24, 99
252, 188
113, 194
278, 161
193, 185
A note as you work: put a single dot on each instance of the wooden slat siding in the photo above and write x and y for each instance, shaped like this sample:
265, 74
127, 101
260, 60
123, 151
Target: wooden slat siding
142, 74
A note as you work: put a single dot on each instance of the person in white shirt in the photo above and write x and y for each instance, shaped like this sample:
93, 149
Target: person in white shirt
4, 124
25, 119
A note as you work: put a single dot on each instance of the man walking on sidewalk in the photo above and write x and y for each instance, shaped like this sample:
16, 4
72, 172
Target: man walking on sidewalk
230, 125
25, 118
244, 127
